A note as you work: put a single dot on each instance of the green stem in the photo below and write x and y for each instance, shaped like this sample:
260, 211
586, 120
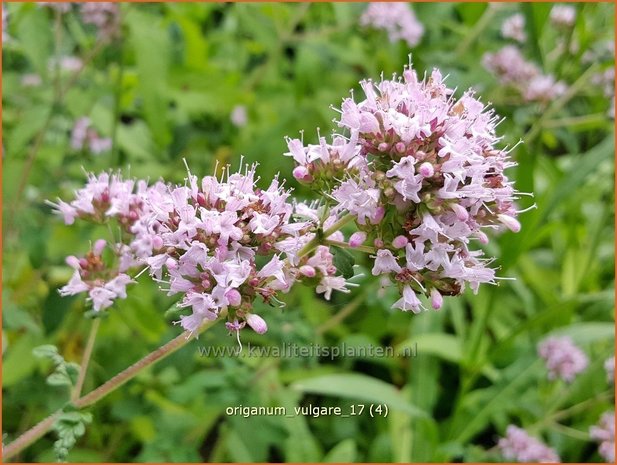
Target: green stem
162, 352
344, 245
86, 359
317, 240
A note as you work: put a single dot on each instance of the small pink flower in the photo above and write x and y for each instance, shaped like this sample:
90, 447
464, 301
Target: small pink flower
385, 263
257, 323
399, 242
357, 239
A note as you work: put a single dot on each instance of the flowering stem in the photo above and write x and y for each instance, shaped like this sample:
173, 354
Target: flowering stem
344, 245
308, 248
40, 429
86, 359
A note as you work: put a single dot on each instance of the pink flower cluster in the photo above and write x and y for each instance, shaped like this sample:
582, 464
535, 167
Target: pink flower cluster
604, 433
563, 16
519, 446
422, 176
218, 243
84, 135
397, 19
418, 172
514, 28
511, 68
564, 360
102, 283
105, 16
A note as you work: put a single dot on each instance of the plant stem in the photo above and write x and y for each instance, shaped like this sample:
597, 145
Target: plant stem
340, 316
86, 359
308, 248
41, 428
344, 245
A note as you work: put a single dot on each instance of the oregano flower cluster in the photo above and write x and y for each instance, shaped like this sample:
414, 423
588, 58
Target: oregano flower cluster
417, 172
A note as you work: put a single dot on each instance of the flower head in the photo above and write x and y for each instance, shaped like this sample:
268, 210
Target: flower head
519, 446
563, 358
604, 433
397, 19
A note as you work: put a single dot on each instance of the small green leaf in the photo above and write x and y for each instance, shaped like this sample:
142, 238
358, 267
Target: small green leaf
45, 351
344, 262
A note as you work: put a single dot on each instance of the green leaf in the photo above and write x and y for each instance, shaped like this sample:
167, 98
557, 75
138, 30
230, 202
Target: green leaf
357, 386
444, 346
35, 37
536, 15
45, 351
344, 452
58, 379
586, 333
151, 43
344, 262
471, 12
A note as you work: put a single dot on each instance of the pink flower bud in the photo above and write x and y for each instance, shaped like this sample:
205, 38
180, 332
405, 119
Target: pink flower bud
378, 215
307, 271
383, 147
98, 246
357, 239
426, 170
400, 147
483, 238
399, 242
436, 299
257, 323
510, 222
378, 243
233, 297
461, 212
420, 155
157, 242
171, 264
301, 173
73, 262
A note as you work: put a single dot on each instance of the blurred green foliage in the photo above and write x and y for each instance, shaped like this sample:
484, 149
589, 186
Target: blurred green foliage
164, 90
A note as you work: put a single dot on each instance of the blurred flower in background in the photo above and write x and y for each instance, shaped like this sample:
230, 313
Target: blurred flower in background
564, 360
397, 19
604, 433
519, 446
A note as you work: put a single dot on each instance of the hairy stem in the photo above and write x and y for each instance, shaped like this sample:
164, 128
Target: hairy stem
317, 240
86, 359
344, 245
162, 352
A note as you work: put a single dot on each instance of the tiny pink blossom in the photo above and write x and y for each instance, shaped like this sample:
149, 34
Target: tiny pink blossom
357, 239
257, 323
399, 242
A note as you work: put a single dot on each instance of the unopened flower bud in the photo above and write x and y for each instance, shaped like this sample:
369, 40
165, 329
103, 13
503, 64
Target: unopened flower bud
357, 239
383, 147
301, 173
420, 155
399, 242
460, 211
378, 243
157, 242
400, 147
257, 323
436, 299
307, 271
426, 170
378, 216
510, 222
98, 246
73, 262
233, 297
